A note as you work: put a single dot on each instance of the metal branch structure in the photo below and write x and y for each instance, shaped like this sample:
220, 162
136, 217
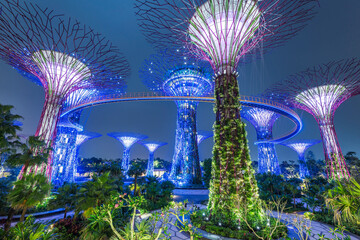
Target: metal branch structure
223, 32
127, 140
202, 135
177, 75
300, 146
60, 55
152, 146
320, 90
263, 121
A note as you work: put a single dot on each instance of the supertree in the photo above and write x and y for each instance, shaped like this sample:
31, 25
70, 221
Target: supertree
263, 121
60, 55
65, 141
202, 135
223, 32
177, 75
320, 90
152, 146
127, 140
300, 146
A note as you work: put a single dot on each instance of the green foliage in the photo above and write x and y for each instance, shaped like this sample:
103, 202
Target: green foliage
207, 172
96, 192
344, 200
232, 172
5, 188
8, 131
29, 230
201, 220
313, 193
316, 167
136, 169
162, 164
65, 197
28, 192
353, 165
157, 194
33, 152
272, 187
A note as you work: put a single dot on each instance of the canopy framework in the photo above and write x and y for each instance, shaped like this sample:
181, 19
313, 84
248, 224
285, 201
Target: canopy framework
60, 55
127, 140
263, 120
300, 147
152, 146
320, 90
175, 74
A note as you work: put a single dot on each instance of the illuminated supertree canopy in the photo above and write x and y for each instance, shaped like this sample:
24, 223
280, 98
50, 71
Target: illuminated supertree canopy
300, 146
127, 140
222, 32
202, 135
60, 55
320, 91
152, 146
263, 121
177, 75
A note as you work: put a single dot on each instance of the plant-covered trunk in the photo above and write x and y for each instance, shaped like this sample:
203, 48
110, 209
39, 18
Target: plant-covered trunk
232, 173
9, 219
23, 214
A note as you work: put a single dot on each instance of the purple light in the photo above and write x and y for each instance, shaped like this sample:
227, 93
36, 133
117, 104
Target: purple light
320, 91
225, 30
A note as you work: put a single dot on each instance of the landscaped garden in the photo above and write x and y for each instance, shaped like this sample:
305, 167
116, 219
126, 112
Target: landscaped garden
204, 50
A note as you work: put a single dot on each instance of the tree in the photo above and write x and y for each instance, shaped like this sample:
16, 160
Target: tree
136, 169
95, 193
8, 130
65, 196
207, 172
344, 199
353, 164
29, 154
28, 192
293, 185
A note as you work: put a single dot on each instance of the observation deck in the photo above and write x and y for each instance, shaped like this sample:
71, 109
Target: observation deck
250, 101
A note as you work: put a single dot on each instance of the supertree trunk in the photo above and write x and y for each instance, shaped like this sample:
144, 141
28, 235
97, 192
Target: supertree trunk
336, 166
185, 168
232, 173
268, 161
150, 165
304, 171
46, 130
64, 150
125, 161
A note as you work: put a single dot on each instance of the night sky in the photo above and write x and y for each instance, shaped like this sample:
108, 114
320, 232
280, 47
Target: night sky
333, 34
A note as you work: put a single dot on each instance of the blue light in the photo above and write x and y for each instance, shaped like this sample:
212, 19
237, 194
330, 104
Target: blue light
127, 140
263, 121
172, 75
152, 147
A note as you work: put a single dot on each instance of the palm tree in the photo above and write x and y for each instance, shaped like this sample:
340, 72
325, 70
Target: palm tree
96, 192
66, 196
344, 199
28, 192
136, 169
29, 154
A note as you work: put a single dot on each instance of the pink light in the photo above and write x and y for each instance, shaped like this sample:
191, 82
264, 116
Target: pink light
321, 100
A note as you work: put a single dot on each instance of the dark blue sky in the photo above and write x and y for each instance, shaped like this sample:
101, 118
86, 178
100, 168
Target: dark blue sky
333, 34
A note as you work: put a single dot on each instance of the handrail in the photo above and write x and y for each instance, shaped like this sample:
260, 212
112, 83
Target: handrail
157, 96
